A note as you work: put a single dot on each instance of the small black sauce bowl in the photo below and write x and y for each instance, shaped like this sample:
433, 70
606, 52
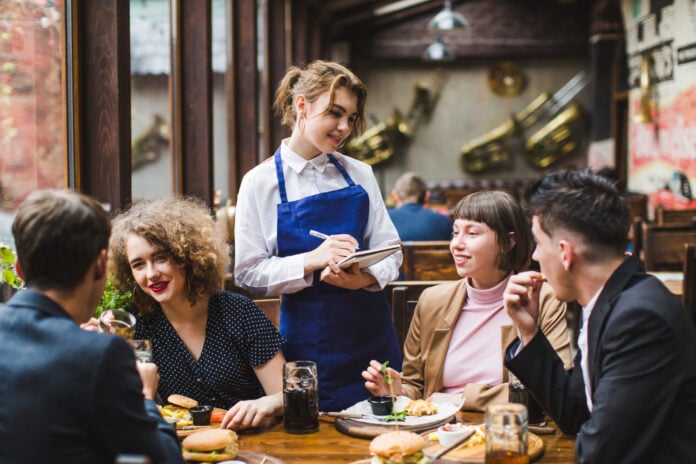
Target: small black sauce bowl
201, 414
381, 405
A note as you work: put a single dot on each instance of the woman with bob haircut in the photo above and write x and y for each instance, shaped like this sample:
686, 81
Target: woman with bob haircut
214, 346
460, 329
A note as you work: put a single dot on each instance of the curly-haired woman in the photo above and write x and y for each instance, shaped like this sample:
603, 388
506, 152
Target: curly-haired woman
211, 345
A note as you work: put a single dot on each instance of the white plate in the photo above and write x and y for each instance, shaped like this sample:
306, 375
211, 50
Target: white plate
445, 411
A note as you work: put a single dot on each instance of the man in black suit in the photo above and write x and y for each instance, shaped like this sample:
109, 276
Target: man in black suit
68, 395
631, 396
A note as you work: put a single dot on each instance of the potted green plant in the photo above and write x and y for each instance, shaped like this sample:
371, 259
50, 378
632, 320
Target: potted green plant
9, 274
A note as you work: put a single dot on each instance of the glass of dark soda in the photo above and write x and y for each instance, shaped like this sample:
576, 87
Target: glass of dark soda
301, 397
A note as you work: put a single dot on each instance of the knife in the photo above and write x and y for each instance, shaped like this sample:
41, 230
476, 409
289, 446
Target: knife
447, 449
344, 415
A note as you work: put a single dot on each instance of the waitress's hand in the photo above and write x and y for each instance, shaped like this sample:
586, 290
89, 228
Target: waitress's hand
331, 250
351, 278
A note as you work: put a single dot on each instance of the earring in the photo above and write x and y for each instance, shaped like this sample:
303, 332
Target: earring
140, 305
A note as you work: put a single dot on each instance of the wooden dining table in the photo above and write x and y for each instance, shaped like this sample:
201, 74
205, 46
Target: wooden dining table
330, 446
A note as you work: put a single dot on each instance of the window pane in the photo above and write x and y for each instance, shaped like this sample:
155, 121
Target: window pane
220, 59
150, 115
32, 154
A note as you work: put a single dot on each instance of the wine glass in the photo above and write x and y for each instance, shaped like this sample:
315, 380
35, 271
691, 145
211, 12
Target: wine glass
118, 322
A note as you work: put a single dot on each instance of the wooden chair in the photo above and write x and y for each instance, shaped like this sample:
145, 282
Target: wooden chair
674, 216
689, 282
663, 245
637, 205
428, 261
404, 297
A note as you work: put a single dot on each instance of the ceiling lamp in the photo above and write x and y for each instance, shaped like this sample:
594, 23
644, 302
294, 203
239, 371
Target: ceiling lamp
447, 20
438, 51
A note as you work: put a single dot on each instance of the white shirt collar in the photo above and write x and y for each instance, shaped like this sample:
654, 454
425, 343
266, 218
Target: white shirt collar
298, 163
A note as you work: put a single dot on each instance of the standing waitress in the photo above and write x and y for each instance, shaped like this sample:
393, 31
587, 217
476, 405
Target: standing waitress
338, 318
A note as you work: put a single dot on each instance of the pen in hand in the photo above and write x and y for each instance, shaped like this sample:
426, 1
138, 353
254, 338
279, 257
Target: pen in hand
317, 234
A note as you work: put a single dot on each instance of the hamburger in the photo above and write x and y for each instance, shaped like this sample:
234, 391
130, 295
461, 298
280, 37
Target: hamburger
399, 447
212, 445
182, 401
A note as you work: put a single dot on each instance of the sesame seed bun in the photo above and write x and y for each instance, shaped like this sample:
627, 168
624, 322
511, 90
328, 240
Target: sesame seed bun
402, 442
183, 401
211, 445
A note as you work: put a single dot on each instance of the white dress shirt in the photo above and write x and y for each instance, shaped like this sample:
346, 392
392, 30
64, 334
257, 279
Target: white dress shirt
258, 268
582, 346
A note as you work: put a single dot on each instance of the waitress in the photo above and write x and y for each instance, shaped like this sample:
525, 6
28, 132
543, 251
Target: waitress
338, 318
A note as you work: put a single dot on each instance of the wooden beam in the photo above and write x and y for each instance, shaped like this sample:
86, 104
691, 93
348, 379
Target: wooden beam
102, 89
243, 95
192, 99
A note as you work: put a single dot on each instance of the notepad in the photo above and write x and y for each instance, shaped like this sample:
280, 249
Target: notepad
368, 257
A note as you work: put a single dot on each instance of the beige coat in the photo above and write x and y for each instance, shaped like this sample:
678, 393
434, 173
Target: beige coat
429, 336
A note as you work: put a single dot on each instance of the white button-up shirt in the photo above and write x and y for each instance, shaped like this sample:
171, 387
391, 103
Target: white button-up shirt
258, 268
582, 346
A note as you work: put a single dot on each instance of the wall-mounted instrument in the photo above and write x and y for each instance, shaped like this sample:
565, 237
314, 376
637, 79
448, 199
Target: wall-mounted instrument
377, 144
547, 118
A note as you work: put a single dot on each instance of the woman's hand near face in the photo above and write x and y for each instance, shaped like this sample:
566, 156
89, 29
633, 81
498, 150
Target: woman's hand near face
331, 250
375, 383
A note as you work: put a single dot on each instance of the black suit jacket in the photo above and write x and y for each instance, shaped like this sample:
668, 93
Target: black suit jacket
642, 352
71, 396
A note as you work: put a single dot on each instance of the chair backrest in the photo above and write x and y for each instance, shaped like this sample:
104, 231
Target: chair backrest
637, 205
663, 245
404, 297
429, 260
689, 282
674, 216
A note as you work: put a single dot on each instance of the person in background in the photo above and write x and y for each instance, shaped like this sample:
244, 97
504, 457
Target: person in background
413, 221
69, 395
338, 318
459, 330
631, 395
214, 346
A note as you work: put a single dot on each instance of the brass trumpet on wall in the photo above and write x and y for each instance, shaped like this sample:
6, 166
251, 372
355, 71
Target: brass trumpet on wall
547, 117
490, 149
645, 110
378, 143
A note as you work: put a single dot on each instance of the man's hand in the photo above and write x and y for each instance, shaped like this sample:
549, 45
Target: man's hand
521, 300
150, 378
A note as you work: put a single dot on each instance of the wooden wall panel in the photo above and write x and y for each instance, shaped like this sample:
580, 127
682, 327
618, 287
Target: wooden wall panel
102, 101
192, 94
244, 90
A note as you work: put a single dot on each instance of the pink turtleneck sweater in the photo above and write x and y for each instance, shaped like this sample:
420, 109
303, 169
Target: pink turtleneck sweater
475, 354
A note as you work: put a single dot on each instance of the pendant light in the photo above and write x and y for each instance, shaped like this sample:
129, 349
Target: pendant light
447, 20
438, 51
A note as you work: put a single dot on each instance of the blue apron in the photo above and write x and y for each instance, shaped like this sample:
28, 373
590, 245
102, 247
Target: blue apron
340, 329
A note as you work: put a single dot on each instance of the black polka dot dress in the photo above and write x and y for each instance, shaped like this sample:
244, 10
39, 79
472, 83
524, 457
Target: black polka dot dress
238, 336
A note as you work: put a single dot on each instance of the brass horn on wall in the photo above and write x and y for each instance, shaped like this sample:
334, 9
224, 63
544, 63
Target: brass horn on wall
645, 110
377, 144
547, 117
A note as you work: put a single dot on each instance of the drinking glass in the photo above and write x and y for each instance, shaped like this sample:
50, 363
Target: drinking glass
118, 322
142, 350
301, 397
518, 393
506, 434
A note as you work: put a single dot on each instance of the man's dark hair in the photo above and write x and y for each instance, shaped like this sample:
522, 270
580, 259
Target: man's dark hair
58, 235
586, 204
